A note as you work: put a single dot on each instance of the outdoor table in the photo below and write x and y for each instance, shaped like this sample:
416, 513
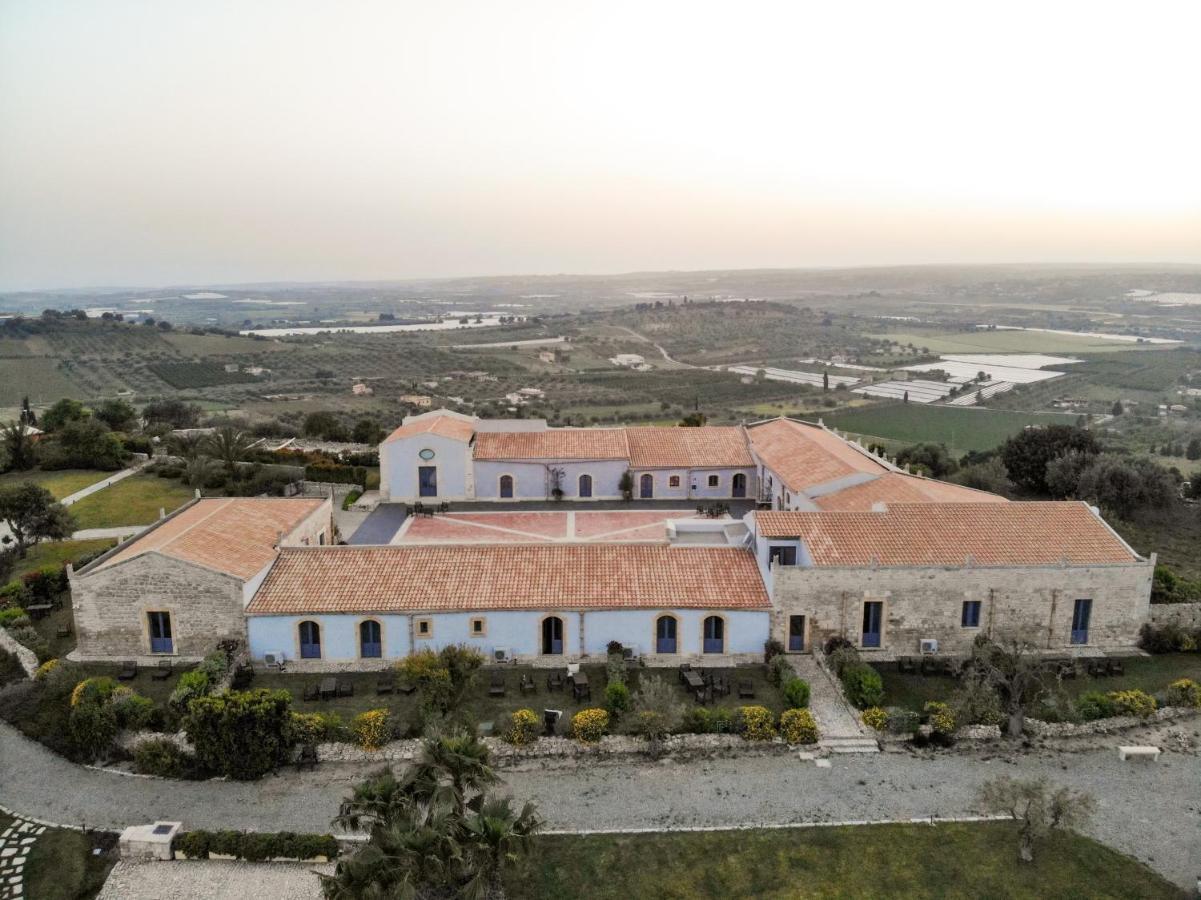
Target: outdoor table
693, 679
580, 687
38, 610
329, 688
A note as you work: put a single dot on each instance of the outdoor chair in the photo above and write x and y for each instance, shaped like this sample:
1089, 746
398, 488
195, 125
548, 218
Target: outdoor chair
306, 757
581, 691
405, 689
554, 681
684, 667
1117, 667
907, 665
746, 690
704, 695
527, 684
346, 688
444, 507
162, 672
129, 671
1098, 668
385, 686
496, 685
312, 692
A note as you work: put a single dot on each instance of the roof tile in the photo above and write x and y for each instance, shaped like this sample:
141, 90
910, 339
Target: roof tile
709, 446
553, 443
804, 456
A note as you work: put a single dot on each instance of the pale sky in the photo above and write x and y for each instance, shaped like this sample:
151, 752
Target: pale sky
166, 142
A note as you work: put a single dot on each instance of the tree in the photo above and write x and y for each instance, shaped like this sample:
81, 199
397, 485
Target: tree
1036, 808
931, 458
83, 444
989, 475
175, 413
1117, 408
117, 415
33, 515
324, 425
694, 420
1126, 486
228, 445
1016, 673
19, 445
1193, 451
241, 734
62, 412
1026, 455
825, 381
367, 431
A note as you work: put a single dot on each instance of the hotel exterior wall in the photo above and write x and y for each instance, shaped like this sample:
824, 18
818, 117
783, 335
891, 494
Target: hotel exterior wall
694, 483
532, 482
399, 461
1031, 603
746, 631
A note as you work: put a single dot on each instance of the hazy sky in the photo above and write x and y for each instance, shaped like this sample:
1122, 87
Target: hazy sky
159, 142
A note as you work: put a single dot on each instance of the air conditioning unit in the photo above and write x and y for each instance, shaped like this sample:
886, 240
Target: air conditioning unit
929, 645
501, 655
275, 658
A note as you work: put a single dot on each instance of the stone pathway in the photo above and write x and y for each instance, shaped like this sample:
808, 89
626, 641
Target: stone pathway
103, 483
15, 843
841, 730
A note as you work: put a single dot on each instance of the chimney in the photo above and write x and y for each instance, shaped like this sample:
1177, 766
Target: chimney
879, 507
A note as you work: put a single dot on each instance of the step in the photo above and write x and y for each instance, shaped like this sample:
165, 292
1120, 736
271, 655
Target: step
849, 745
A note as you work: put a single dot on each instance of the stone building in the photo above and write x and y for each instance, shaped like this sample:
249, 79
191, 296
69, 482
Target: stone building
181, 586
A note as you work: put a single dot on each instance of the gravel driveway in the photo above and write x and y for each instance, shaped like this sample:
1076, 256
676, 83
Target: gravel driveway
1151, 810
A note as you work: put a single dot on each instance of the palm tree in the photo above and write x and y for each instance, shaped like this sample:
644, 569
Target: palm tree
452, 767
500, 837
19, 443
228, 445
186, 446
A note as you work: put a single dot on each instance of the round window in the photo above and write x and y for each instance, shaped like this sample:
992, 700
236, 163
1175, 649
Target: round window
426, 454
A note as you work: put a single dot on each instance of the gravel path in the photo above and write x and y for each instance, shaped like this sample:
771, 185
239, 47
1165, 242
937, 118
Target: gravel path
1149, 810
213, 880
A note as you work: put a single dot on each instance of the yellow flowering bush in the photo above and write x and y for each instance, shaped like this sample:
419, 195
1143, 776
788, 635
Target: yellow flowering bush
1133, 703
757, 723
875, 717
45, 669
371, 729
1184, 692
590, 725
940, 717
308, 728
523, 727
97, 689
798, 727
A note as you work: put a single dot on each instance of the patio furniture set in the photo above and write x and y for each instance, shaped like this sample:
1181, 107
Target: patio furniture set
705, 687
129, 671
328, 689
426, 509
581, 689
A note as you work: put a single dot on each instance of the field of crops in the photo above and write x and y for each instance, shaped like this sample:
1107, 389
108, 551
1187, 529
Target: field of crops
1006, 341
1138, 371
961, 429
184, 375
43, 379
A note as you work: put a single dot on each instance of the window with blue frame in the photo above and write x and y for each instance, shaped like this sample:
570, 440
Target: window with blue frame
371, 645
310, 640
971, 614
160, 632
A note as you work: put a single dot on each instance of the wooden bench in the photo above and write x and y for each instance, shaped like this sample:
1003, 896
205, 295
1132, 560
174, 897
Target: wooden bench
1127, 752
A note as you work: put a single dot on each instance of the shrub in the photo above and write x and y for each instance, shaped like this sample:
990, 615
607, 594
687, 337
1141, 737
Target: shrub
756, 723
371, 729
863, 685
13, 617
796, 693
1169, 638
1184, 692
657, 709
771, 649
902, 721
164, 758
976, 702
798, 727
1093, 705
523, 729
241, 734
307, 728
93, 690
191, 685
617, 698
256, 847
779, 670
940, 717
27, 636
93, 725
45, 669
875, 717
441, 678
843, 657
214, 667
589, 725
1133, 703
133, 711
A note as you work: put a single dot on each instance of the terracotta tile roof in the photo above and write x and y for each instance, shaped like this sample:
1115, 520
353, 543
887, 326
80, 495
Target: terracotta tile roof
481, 577
553, 443
896, 487
804, 456
444, 426
707, 447
923, 534
235, 535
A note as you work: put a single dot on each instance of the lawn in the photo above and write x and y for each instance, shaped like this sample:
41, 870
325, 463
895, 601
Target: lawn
62, 865
53, 554
483, 708
135, 500
961, 429
951, 860
59, 483
1174, 534
1147, 673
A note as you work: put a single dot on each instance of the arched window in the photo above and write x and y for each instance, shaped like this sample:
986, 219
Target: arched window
738, 485
647, 486
715, 635
665, 634
371, 644
552, 635
310, 640
585, 485
506, 485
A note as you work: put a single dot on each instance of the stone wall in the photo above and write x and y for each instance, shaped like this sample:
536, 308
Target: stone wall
1033, 603
25, 656
1186, 615
111, 604
1040, 728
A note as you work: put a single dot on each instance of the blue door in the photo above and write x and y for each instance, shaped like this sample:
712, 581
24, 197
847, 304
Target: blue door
427, 481
552, 635
796, 634
160, 633
310, 641
872, 613
646, 486
585, 485
665, 634
738, 485
715, 635
1080, 617
506, 486
370, 645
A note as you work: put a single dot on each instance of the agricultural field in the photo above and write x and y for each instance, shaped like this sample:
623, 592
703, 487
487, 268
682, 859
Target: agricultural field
961, 429
40, 378
1150, 373
1006, 341
185, 375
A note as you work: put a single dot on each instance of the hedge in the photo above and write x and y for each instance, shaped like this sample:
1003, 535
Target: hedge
254, 847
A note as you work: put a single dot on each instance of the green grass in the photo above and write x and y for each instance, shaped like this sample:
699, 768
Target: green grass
40, 378
1006, 341
483, 708
60, 483
134, 501
1174, 535
62, 865
58, 553
960, 429
1146, 673
952, 861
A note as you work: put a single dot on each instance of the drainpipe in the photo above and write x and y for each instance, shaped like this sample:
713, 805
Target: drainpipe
412, 635
582, 644
992, 605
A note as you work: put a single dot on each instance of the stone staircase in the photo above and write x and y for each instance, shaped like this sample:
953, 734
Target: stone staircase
841, 730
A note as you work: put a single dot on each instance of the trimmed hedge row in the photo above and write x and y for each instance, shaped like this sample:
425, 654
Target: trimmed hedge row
254, 847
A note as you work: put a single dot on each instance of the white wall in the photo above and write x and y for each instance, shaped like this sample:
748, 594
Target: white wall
531, 482
746, 630
400, 459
